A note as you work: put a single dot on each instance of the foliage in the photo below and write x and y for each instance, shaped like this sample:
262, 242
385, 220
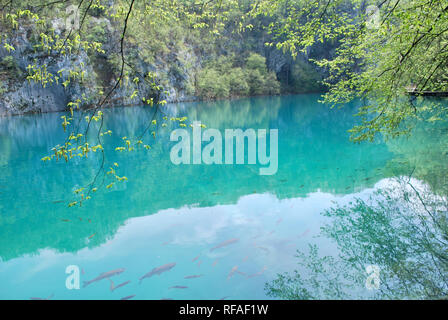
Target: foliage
10, 67
403, 230
213, 85
3, 88
378, 57
224, 79
305, 78
219, 42
238, 82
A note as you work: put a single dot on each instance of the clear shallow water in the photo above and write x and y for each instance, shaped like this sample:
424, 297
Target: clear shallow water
166, 213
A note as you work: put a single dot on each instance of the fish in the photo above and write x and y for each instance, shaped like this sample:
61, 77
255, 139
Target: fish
232, 272
225, 243
304, 233
104, 275
194, 276
279, 220
195, 258
122, 284
58, 201
166, 243
302, 186
259, 273
92, 235
113, 287
47, 298
215, 263
263, 248
128, 297
241, 273
158, 271
199, 263
245, 258
65, 220
178, 287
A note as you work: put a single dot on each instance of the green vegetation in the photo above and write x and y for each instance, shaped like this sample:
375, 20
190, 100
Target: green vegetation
305, 78
395, 230
373, 58
2, 88
132, 52
43, 203
402, 228
224, 79
383, 48
383, 54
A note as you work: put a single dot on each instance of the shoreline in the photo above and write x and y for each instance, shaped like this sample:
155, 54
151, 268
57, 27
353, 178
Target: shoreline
7, 115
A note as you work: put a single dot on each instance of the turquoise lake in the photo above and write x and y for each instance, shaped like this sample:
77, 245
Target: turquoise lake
166, 213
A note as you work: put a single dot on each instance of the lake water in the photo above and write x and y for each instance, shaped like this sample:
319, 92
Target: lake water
168, 213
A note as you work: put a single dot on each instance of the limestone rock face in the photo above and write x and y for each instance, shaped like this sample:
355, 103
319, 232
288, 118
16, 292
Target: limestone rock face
178, 70
19, 95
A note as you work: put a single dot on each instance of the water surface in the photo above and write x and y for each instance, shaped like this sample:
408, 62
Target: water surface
166, 213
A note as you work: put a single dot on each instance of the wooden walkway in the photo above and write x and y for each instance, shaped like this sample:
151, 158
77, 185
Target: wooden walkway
428, 93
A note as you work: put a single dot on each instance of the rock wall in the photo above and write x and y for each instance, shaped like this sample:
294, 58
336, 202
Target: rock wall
19, 95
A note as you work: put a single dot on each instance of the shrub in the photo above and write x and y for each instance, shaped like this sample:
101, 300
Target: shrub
224, 64
255, 81
3, 88
212, 84
98, 32
256, 62
222, 79
271, 84
305, 78
237, 83
10, 64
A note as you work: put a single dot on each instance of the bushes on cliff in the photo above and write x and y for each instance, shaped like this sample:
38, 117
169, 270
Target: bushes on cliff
212, 84
260, 79
305, 78
9, 65
238, 82
271, 84
223, 79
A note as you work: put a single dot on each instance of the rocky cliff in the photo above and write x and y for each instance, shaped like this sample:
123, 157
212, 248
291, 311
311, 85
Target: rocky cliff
36, 79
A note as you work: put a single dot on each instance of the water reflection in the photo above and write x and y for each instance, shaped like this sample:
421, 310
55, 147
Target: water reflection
314, 154
167, 213
402, 229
